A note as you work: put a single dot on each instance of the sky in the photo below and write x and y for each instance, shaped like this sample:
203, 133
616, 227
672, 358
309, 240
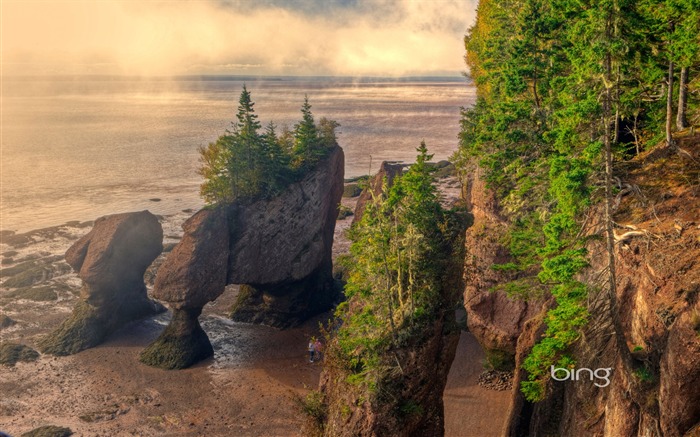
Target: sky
238, 37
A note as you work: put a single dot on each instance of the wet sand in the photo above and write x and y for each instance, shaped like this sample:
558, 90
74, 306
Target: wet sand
472, 410
247, 389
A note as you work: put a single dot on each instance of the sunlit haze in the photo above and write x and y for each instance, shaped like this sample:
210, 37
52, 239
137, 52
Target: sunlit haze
244, 37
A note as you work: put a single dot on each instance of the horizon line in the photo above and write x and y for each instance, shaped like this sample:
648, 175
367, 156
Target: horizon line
460, 76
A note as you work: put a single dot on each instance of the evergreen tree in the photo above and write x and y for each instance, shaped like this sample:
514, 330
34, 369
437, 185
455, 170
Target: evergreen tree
246, 163
306, 140
327, 134
275, 166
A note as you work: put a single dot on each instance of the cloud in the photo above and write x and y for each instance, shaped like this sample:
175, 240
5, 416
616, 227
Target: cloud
276, 37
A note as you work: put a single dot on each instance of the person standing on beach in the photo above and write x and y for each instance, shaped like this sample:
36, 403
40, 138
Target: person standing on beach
318, 348
312, 349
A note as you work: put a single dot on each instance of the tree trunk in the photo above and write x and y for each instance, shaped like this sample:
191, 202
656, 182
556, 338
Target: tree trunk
669, 105
620, 339
616, 136
681, 119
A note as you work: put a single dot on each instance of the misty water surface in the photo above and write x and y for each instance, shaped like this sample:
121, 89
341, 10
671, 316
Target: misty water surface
79, 148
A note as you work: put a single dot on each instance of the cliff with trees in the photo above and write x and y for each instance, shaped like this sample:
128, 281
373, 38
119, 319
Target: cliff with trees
392, 343
582, 170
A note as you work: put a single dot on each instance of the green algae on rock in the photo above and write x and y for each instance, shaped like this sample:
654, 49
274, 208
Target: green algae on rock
12, 353
49, 431
182, 344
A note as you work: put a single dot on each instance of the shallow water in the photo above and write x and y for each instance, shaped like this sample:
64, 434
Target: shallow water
79, 148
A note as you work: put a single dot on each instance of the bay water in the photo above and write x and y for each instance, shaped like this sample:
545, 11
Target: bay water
76, 148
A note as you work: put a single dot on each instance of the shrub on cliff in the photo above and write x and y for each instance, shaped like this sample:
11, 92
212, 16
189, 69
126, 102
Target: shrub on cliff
245, 162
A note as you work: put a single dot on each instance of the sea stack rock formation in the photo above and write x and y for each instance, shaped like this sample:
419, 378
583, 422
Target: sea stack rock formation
375, 187
111, 260
194, 274
416, 406
278, 250
281, 249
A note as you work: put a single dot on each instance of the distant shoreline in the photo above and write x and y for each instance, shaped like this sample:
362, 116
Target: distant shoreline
233, 78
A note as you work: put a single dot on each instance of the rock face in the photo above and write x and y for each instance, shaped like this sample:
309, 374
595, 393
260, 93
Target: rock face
375, 187
111, 260
679, 385
281, 249
655, 392
414, 409
495, 319
194, 274
278, 249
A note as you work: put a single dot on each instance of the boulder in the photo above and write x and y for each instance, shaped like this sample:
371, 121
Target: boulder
111, 260
49, 431
193, 274
5, 321
12, 353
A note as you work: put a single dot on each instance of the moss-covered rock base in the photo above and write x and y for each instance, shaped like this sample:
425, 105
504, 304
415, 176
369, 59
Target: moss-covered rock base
286, 305
49, 431
12, 353
182, 344
89, 325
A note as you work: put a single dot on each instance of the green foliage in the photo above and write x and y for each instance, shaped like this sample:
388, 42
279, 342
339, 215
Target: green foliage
315, 408
344, 212
247, 163
410, 408
644, 374
499, 360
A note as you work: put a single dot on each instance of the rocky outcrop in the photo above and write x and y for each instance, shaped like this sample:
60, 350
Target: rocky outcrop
413, 408
495, 319
387, 171
49, 431
281, 249
111, 260
393, 385
194, 274
12, 353
278, 249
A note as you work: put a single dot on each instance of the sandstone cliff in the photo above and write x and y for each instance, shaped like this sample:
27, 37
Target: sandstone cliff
495, 319
656, 392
